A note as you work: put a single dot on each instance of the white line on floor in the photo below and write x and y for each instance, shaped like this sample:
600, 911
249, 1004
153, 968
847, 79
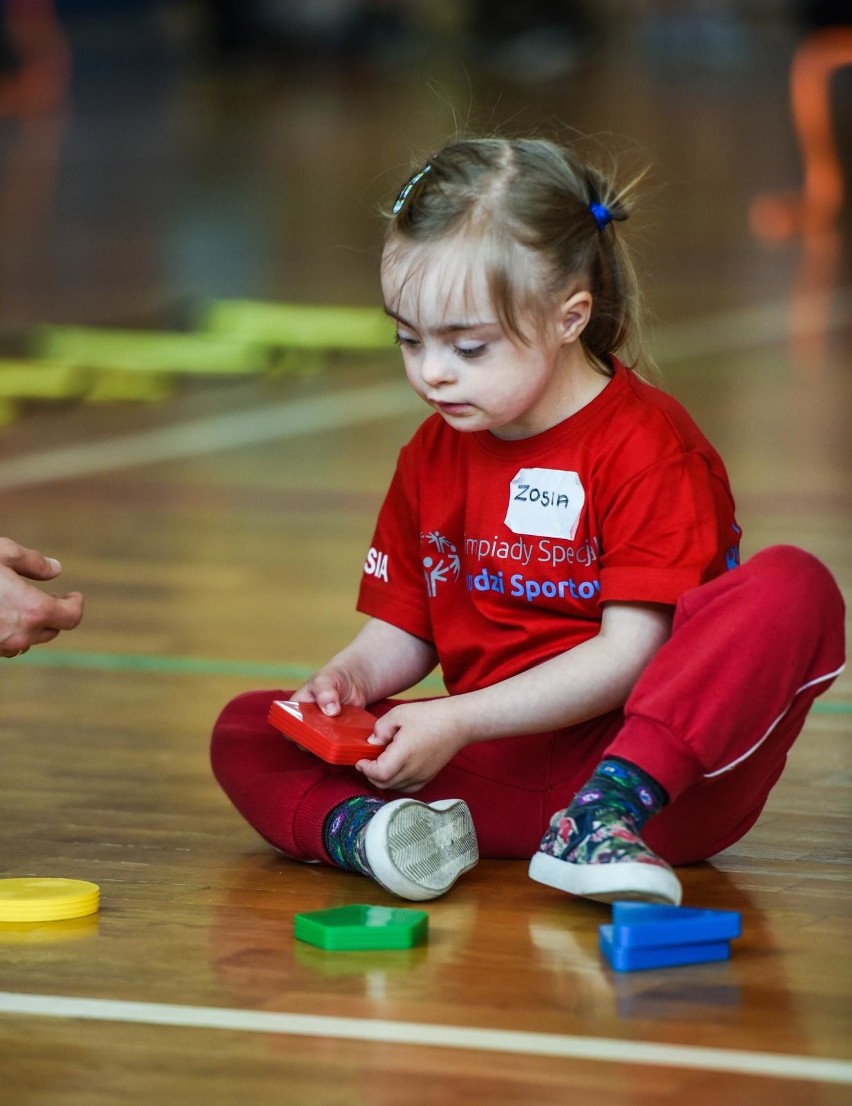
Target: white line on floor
769, 1064
273, 422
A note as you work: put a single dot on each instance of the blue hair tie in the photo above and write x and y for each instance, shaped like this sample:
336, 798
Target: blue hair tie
602, 214
406, 192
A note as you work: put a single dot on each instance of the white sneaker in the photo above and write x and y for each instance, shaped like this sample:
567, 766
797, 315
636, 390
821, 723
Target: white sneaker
418, 851
629, 881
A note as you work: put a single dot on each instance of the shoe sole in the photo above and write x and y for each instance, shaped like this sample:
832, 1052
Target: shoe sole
617, 882
418, 851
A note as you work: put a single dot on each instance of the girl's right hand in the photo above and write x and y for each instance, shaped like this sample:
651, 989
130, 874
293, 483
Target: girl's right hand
330, 688
381, 660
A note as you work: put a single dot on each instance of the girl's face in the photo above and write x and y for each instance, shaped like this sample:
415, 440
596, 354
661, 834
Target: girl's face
460, 360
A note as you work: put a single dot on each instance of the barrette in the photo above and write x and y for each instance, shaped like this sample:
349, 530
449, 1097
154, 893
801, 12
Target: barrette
406, 192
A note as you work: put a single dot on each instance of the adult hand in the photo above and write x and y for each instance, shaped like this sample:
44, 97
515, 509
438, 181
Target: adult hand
29, 616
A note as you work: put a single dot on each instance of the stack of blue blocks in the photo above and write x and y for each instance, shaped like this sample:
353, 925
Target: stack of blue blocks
643, 935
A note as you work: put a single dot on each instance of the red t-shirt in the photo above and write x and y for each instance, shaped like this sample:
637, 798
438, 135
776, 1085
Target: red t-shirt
501, 553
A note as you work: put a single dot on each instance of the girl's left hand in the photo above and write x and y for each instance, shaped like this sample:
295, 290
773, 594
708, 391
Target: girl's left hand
420, 739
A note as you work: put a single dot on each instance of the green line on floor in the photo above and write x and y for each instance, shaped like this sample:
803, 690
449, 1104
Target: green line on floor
284, 675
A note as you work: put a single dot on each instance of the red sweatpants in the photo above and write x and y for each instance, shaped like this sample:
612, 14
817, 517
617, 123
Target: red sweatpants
711, 718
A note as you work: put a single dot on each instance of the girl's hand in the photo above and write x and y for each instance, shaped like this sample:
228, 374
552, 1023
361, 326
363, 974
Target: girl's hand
329, 688
420, 738
380, 661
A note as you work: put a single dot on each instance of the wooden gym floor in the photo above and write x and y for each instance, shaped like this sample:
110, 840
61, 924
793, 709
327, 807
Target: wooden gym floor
212, 566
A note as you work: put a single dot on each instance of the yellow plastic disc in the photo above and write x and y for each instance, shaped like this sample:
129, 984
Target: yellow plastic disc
47, 900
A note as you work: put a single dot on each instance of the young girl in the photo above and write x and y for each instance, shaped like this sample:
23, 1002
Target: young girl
560, 537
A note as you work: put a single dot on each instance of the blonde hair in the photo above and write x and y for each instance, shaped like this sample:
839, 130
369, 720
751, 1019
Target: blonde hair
516, 197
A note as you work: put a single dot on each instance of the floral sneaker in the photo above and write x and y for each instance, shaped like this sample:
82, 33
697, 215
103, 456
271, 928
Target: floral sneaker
599, 854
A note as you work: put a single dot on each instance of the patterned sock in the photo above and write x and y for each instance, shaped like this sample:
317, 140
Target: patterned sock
344, 830
605, 817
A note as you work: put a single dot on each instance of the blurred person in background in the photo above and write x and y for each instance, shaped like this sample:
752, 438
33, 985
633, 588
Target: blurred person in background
537, 39
299, 29
35, 61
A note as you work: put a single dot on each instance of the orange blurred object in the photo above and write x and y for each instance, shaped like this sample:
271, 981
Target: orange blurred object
816, 208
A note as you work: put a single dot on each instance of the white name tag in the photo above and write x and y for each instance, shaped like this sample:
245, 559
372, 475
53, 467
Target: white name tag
545, 502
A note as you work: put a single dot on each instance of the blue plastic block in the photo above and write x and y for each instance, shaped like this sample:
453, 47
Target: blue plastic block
645, 925
627, 958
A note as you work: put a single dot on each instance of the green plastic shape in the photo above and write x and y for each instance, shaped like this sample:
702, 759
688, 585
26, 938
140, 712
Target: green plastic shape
362, 927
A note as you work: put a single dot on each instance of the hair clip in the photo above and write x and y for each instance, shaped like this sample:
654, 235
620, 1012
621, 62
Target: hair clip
601, 213
406, 192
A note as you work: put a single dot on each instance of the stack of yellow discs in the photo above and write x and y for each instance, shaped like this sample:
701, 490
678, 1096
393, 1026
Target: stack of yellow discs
47, 900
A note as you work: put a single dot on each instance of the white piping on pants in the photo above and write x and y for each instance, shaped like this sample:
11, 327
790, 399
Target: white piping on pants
756, 746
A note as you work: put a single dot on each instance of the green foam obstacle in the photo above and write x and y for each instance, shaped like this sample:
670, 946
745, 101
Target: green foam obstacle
26, 380
144, 351
231, 337
299, 326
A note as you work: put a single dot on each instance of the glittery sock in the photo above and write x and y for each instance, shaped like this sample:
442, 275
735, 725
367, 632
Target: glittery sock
344, 830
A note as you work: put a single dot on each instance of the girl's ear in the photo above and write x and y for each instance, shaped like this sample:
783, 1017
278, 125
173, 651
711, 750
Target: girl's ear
574, 315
